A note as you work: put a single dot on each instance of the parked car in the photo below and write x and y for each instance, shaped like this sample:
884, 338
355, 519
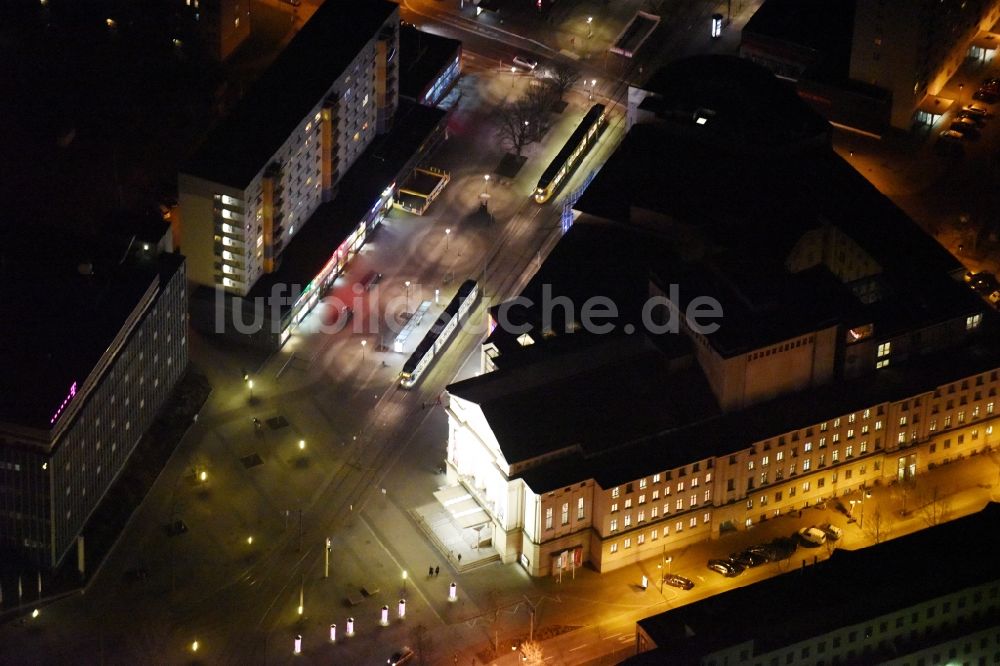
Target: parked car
985, 95
400, 657
975, 110
525, 63
673, 580
832, 532
812, 535
965, 115
967, 128
951, 135
727, 568
750, 558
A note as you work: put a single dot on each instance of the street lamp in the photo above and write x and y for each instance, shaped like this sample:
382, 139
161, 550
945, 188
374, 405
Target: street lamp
249, 540
486, 187
405, 575
302, 444
363, 344
407, 283
590, 27
194, 646
593, 85
203, 476
250, 386
513, 70
447, 240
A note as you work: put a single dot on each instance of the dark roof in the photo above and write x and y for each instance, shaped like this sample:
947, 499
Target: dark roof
240, 146
750, 107
422, 57
59, 322
781, 611
729, 221
823, 26
374, 170
662, 415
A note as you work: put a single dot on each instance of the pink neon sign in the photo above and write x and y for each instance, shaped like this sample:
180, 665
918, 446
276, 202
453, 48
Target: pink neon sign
72, 393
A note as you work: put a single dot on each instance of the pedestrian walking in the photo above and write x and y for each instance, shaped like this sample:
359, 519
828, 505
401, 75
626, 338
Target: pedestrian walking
460, 558
437, 570
430, 571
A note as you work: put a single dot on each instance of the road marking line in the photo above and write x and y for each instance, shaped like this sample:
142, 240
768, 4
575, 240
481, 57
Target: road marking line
613, 635
578, 647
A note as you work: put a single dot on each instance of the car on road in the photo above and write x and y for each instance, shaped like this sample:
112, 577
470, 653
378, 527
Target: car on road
832, 532
400, 657
974, 110
951, 135
673, 580
727, 568
525, 63
812, 536
750, 558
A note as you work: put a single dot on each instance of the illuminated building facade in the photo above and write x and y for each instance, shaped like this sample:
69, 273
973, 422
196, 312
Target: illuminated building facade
265, 170
845, 351
912, 48
817, 616
85, 376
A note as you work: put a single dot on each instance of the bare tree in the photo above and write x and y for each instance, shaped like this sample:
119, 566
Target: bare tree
563, 77
515, 130
422, 644
877, 527
532, 652
934, 507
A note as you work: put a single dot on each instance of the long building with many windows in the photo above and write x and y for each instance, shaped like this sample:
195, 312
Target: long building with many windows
738, 325
265, 170
94, 344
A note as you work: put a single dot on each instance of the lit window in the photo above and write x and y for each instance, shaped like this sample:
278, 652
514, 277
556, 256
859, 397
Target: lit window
548, 518
565, 513
614, 548
614, 507
693, 522
708, 495
808, 447
579, 509
779, 456
679, 526
680, 487
628, 503
628, 542
614, 525
628, 520
656, 478
806, 486
973, 322
615, 492
642, 483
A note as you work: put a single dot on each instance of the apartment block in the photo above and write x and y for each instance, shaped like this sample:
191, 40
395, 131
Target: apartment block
265, 170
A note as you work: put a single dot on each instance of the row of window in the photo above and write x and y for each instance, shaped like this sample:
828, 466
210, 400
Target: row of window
564, 519
654, 534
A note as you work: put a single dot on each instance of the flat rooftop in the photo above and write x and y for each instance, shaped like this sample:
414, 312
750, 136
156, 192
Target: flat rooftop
360, 188
422, 56
58, 321
825, 27
646, 411
798, 605
242, 143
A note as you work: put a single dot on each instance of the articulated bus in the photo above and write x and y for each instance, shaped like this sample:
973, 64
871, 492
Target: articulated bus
585, 135
436, 338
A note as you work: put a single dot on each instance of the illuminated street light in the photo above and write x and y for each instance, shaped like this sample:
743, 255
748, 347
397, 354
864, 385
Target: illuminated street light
590, 27
194, 646
203, 476
249, 540
364, 343
447, 240
111, 23
407, 283
34, 613
250, 386
593, 85
486, 187
513, 71
302, 444
405, 576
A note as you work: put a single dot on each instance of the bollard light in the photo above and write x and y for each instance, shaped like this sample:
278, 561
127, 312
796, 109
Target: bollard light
350, 626
453, 592
402, 608
298, 644
385, 616
645, 582
333, 633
